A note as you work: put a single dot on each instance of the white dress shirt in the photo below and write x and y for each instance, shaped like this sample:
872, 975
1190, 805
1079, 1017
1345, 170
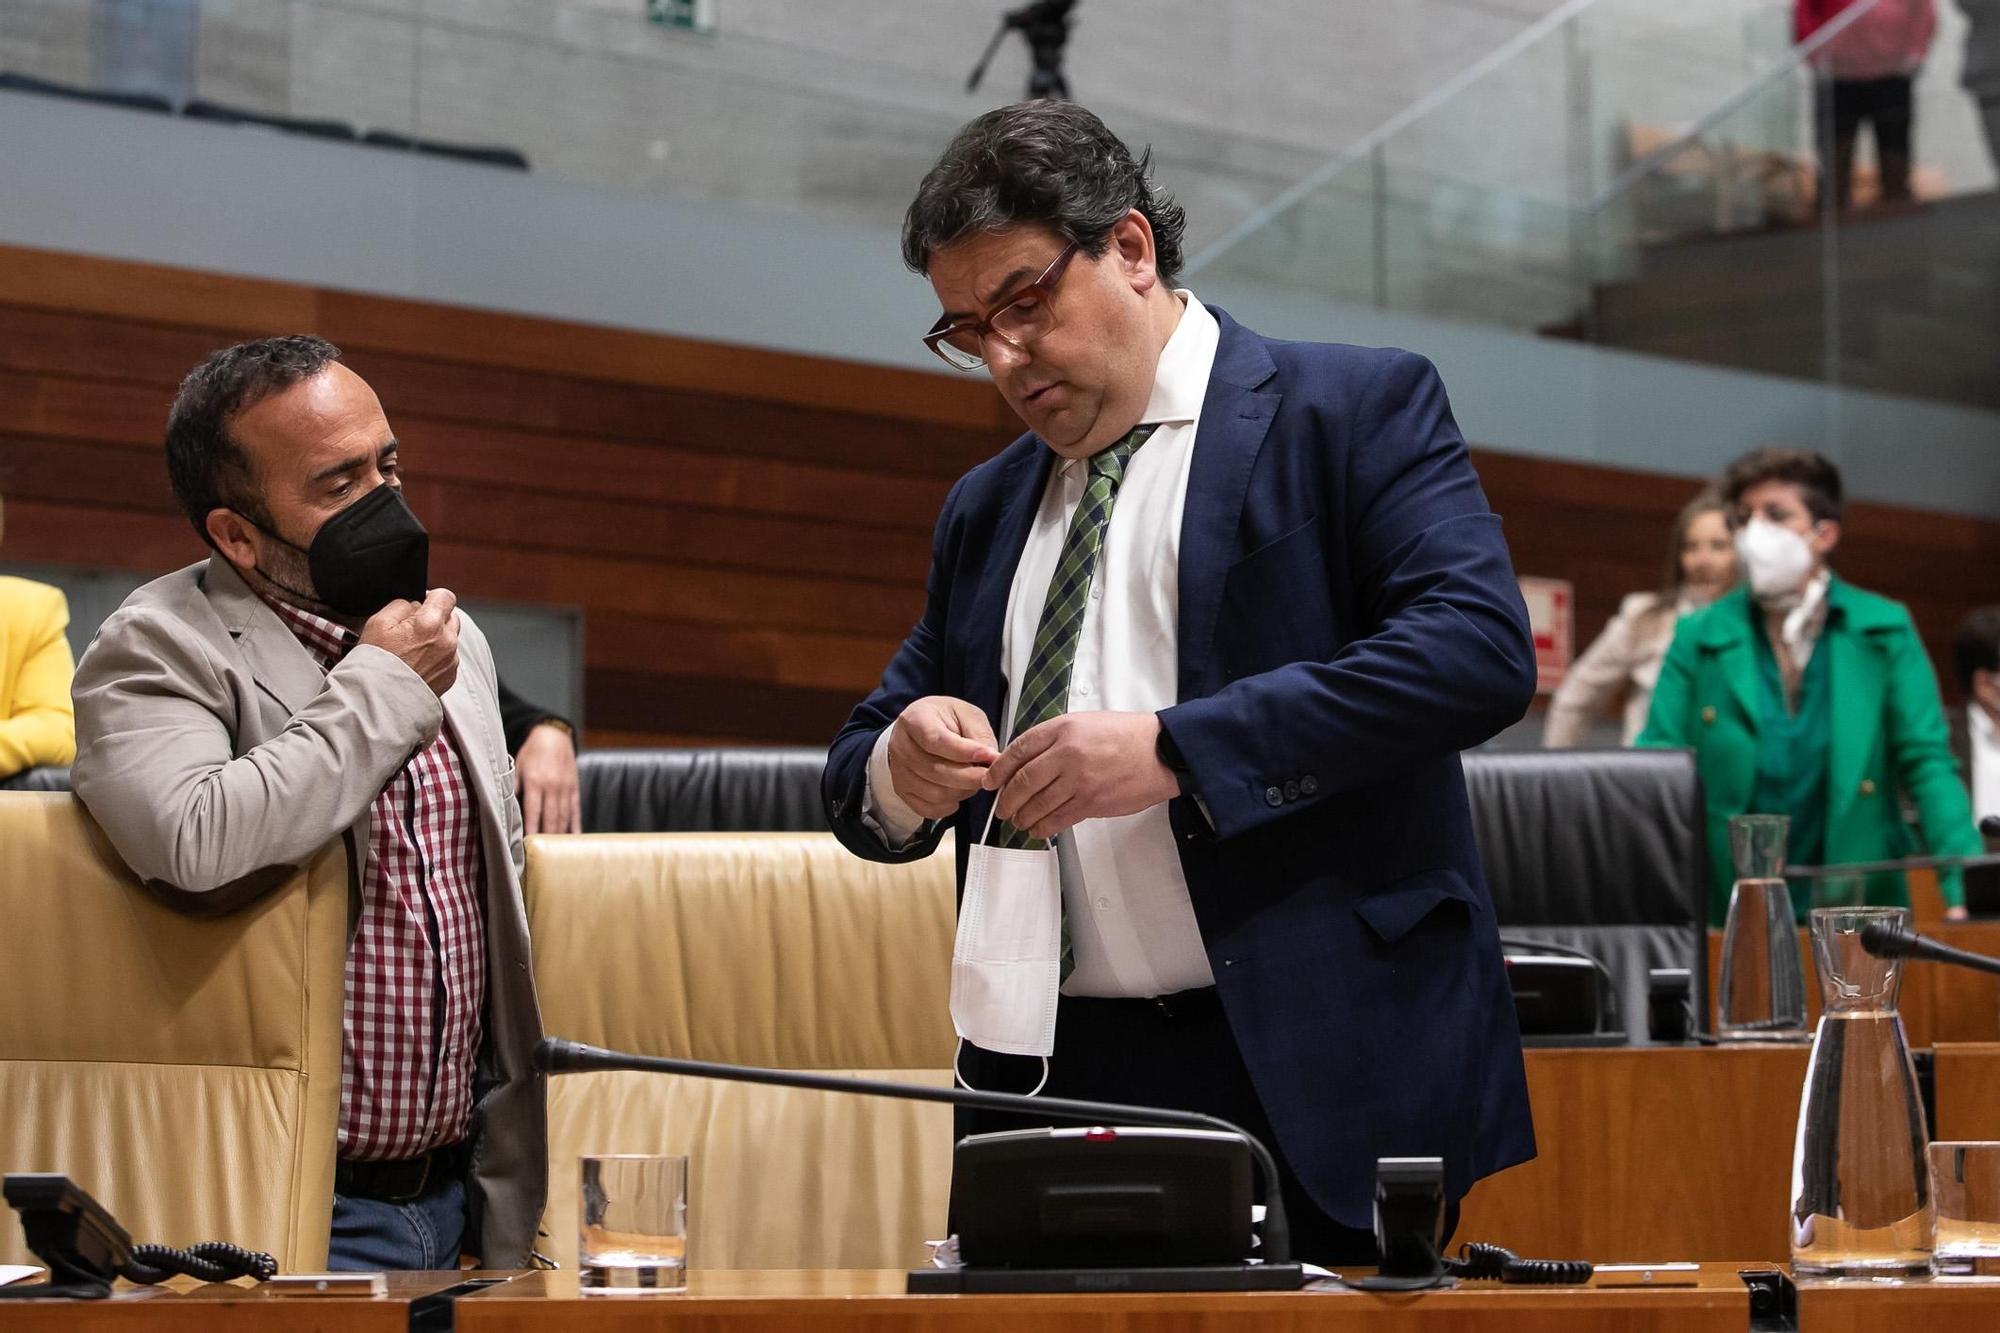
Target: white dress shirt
1131, 922
1983, 739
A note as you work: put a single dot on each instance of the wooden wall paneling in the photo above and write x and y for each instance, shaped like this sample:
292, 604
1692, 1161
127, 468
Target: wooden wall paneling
737, 524
153, 293
1968, 1091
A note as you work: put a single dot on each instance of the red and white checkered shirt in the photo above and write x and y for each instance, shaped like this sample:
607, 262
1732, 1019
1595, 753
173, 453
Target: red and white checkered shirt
416, 969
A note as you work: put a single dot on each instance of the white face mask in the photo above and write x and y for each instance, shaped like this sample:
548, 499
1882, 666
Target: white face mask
1006, 960
1776, 560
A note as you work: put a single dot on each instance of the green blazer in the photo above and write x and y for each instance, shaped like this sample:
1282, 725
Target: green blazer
1889, 736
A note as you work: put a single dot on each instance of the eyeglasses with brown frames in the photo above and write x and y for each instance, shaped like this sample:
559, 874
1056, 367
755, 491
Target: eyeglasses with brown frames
1017, 319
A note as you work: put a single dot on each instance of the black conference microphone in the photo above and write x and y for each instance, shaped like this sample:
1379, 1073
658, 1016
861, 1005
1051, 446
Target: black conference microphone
554, 1055
1893, 939
1989, 827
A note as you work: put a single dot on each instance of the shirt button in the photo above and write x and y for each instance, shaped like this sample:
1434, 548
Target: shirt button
1272, 796
1103, 904
1291, 791
1867, 786
1708, 716
1309, 785
1084, 689
1096, 593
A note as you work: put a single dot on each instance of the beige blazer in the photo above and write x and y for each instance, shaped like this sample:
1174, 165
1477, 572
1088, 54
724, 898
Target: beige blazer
218, 758
1623, 663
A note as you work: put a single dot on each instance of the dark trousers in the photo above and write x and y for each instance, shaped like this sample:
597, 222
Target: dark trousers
1175, 1052
1885, 104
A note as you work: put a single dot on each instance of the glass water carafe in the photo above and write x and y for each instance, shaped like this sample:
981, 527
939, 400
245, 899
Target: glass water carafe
1763, 991
1861, 1191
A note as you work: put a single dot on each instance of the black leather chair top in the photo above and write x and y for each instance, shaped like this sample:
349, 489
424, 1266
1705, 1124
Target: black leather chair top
37, 779
1610, 837
1601, 851
694, 791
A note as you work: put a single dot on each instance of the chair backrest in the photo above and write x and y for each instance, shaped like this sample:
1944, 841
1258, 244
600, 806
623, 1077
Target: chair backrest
185, 1071
1599, 850
722, 790
779, 950
37, 779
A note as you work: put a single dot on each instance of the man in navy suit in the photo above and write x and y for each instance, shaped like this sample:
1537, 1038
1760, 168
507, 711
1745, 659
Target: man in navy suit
1218, 626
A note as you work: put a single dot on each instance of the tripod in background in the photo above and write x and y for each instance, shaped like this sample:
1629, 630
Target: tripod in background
1045, 27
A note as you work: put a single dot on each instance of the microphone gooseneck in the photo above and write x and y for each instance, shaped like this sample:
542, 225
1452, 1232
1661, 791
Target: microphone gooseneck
557, 1055
1893, 939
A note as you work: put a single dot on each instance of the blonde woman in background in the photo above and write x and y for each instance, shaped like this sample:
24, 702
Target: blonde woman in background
1624, 662
37, 725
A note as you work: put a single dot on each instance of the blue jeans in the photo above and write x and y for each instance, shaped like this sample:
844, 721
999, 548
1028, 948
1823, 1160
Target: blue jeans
422, 1234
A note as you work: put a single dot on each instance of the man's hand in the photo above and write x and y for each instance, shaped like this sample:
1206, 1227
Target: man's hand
1081, 766
545, 775
938, 754
424, 635
1957, 914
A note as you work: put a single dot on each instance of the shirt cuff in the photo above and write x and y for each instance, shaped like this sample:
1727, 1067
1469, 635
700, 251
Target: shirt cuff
883, 812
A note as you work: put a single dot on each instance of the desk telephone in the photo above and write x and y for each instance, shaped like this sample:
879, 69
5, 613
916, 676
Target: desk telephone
86, 1249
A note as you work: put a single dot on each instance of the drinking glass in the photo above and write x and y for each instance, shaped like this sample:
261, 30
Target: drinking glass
1965, 1180
632, 1224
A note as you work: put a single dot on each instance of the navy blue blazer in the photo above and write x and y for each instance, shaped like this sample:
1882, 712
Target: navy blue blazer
1349, 622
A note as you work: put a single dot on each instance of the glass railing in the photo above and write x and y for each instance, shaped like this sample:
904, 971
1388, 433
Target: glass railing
829, 111
1463, 206
1722, 247
1667, 202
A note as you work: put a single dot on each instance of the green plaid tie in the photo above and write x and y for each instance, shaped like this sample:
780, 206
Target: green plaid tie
1045, 691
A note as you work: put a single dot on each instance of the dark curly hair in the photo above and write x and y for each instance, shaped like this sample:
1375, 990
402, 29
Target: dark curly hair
1814, 474
205, 465
1050, 163
1976, 646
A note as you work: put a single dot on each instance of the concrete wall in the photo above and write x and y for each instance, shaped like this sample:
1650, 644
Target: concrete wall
832, 109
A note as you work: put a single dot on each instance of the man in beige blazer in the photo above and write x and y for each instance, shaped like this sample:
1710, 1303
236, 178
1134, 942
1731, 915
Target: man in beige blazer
305, 684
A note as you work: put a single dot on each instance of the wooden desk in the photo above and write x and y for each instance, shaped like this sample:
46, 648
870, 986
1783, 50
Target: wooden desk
186, 1306
1652, 1154
781, 1302
1939, 1003
1935, 1305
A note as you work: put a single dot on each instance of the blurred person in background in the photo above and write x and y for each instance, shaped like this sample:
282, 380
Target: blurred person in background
37, 724
1980, 76
1866, 73
1801, 695
1976, 653
1624, 661
544, 748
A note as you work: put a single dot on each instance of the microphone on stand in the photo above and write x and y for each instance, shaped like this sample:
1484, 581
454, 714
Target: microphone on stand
1893, 939
554, 1055
1989, 827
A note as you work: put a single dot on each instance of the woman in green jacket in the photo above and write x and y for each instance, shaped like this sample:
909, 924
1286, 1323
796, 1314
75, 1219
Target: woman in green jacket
1802, 695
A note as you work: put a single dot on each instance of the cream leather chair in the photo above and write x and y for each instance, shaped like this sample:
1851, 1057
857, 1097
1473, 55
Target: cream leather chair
186, 1072
765, 949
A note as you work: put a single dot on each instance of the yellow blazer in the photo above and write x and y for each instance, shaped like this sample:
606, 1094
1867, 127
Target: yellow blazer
37, 724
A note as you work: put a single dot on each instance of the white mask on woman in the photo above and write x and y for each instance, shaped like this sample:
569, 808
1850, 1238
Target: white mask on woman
1777, 560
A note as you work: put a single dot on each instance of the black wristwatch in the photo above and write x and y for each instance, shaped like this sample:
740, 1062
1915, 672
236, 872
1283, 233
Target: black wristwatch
1170, 755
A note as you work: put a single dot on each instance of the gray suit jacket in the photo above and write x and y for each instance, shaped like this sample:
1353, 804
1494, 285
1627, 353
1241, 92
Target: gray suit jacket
218, 758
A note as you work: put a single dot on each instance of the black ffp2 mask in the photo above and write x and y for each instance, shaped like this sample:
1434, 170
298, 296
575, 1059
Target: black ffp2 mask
369, 554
